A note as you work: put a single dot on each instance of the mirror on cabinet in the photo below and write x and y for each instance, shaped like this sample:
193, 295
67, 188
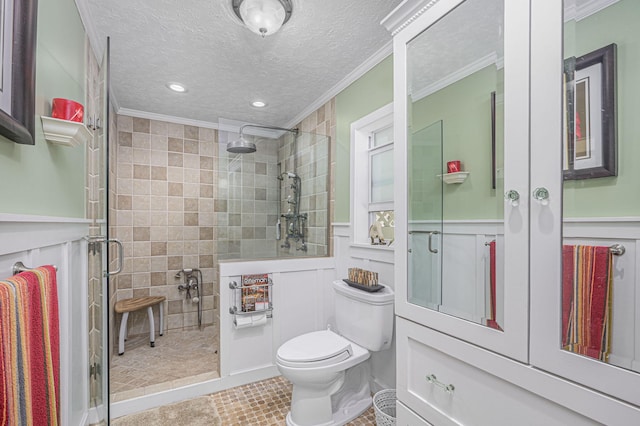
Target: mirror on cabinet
455, 78
601, 205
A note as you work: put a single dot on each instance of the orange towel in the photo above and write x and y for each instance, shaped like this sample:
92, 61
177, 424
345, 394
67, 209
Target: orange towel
29, 349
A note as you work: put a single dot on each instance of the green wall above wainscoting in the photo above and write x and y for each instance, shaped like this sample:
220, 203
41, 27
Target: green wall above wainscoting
369, 93
464, 108
611, 196
46, 179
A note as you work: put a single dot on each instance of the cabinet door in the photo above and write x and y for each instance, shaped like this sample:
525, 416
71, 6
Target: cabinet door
461, 89
584, 154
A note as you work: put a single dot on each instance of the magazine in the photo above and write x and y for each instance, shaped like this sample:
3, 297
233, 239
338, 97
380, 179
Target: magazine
255, 292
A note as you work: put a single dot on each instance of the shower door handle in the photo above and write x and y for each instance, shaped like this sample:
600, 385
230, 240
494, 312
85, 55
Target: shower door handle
431, 234
120, 256
99, 239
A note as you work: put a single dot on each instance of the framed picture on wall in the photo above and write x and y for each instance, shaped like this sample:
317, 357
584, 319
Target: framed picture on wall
17, 69
590, 145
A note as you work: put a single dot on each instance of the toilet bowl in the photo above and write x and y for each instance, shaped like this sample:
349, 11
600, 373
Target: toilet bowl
318, 364
329, 369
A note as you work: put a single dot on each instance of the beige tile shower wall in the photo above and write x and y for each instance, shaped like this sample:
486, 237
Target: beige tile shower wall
316, 172
165, 216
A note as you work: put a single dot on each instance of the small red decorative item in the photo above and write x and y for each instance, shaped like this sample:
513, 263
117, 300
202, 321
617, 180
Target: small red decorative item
453, 166
66, 109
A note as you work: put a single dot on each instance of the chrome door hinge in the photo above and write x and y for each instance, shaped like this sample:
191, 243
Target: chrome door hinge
95, 369
94, 247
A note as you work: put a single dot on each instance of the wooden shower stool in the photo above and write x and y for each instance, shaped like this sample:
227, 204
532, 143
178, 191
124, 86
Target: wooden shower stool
125, 306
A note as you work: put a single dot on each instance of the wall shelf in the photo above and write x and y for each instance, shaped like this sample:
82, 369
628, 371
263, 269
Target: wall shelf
457, 177
64, 132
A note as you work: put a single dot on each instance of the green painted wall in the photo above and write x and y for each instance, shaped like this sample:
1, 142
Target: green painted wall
613, 196
47, 179
464, 108
369, 93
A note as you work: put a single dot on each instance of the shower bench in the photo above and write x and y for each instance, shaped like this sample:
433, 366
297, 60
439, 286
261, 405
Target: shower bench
125, 306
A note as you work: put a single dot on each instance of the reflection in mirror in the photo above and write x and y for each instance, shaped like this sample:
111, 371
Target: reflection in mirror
455, 105
599, 285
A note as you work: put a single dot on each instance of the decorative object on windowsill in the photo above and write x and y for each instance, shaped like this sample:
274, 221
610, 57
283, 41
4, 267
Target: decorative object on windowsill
375, 233
363, 280
457, 177
64, 132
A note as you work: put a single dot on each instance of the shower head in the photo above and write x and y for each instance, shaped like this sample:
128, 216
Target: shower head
241, 146
292, 175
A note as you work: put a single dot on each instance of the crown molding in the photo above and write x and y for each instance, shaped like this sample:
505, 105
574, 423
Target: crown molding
405, 13
458, 75
354, 75
578, 13
89, 28
168, 118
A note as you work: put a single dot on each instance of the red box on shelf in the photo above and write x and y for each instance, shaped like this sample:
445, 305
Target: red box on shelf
66, 109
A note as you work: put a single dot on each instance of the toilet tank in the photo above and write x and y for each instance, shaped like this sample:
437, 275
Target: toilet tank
364, 318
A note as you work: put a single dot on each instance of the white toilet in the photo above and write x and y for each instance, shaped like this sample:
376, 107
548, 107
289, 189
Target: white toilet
327, 368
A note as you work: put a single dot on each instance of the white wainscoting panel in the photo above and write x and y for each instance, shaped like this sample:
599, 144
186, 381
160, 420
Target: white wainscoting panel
38, 241
302, 302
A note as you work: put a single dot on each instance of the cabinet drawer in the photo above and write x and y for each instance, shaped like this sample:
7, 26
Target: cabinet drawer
406, 417
476, 397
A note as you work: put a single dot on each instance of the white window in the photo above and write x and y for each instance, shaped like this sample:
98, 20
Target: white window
372, 177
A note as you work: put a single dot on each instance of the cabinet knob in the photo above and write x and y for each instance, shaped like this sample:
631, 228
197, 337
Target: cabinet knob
541, 195
513, 197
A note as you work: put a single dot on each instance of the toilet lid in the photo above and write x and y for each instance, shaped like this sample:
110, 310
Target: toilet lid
315, 346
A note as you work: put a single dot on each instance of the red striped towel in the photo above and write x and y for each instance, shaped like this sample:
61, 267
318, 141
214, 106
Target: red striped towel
586, 300
491, 321
29, 349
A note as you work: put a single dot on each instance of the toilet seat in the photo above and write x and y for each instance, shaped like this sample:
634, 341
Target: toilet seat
315, 349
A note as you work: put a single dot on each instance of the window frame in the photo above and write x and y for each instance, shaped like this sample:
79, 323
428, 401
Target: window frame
362, 149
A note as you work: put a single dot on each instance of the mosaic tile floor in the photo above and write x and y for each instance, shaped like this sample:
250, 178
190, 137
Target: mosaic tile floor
178, 359
264, 403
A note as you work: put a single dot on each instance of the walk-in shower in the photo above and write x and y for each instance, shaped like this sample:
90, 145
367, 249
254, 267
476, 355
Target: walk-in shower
276, 197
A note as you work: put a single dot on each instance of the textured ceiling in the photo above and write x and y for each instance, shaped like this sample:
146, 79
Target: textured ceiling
202, 44
466, 38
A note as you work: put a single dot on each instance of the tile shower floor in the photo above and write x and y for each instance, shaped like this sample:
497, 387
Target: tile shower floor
179, 358
264, 403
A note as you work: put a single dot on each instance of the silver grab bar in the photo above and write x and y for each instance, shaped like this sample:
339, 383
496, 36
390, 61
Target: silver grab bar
431, 234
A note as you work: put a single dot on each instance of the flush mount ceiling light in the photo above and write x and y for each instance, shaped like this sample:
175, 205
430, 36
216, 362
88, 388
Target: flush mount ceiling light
177, 87
259, 104
263, 17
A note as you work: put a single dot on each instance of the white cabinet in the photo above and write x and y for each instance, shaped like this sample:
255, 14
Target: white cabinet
503, 87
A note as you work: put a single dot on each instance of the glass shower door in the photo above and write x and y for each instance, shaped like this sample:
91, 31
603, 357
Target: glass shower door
98, 252
425, 216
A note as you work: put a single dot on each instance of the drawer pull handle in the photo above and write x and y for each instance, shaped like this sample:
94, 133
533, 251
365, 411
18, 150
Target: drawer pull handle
431, 378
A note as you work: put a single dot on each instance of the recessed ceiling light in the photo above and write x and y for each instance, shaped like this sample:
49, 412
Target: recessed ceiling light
258, 104
177, 87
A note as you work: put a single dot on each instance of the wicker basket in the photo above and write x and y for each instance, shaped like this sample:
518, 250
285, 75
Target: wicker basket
384, 404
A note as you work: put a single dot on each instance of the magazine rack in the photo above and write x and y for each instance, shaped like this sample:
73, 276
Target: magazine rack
236, 294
